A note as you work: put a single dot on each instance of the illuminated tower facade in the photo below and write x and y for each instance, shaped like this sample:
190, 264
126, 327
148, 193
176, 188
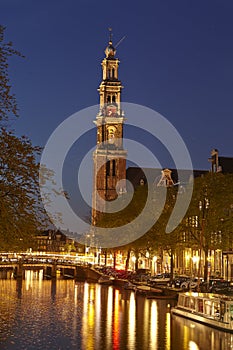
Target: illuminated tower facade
109, 157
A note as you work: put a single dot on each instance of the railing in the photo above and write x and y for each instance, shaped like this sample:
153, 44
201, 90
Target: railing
50, 264
24, 258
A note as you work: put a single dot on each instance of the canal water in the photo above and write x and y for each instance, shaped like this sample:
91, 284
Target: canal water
63, 314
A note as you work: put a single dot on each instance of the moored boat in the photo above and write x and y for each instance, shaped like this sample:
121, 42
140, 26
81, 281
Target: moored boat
108, 280
148, 291
162, 296
212, 310
130, 286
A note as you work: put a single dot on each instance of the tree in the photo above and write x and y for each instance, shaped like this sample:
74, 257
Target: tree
207, 224
159, 240
20, 208
121, 218
19, 191
209, 219
156, 239
8, 105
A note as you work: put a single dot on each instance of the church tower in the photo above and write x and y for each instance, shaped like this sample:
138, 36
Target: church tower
109, 157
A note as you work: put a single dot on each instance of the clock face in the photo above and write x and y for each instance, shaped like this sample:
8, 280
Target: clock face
111, 111
111, 134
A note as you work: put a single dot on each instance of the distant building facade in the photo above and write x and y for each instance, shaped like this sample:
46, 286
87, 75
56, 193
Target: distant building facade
55, 241
220, 164
166, 177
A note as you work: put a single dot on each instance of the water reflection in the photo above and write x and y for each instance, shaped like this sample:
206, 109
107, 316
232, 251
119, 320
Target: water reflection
132, 321
61, 314
116, 319
153, 325
109, 317
194, 336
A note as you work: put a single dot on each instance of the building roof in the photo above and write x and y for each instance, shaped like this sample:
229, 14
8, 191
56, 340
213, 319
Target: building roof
152, 175
220, 164
226, 164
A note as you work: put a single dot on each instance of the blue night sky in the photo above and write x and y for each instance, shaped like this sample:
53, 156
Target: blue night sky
177, 58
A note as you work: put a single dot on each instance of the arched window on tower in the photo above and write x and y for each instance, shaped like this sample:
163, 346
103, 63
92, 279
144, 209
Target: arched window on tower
113, 73
109, 73
113, 98
108, 168
108, 99
113, 167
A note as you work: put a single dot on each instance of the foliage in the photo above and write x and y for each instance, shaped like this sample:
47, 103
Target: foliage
156, 236
123, 217
8, 105
212, 204
129, 213
217, 218
20, 209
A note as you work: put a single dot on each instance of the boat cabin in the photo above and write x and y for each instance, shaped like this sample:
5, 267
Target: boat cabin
218, 307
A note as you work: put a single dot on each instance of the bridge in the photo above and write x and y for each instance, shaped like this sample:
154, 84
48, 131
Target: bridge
14, 265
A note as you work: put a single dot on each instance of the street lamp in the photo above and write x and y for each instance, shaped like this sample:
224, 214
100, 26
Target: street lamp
134, 262
196, 263
203, 207
155, 264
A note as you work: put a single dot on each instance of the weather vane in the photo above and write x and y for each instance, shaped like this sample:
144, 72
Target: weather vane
110, 34
110, 37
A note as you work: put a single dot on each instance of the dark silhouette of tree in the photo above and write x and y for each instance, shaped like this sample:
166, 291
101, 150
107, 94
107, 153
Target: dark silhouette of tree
8, 105
21, 212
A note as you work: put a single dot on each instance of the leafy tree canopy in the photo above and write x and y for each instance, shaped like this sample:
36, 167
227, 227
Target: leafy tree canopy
20, 209
216, 189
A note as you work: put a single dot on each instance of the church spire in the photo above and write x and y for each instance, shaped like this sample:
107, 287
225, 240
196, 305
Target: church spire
110, 50
109, 157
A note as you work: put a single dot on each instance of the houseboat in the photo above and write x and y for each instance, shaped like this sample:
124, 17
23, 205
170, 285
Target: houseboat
212, 310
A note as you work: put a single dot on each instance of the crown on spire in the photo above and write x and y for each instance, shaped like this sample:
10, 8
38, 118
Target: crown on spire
110, 50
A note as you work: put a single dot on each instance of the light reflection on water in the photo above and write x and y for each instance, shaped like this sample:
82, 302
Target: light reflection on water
194, 336
38, 314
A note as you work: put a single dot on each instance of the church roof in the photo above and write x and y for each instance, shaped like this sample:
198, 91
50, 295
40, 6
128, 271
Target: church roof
153, 175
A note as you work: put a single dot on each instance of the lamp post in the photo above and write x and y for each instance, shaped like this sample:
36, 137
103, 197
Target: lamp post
134, 262
203, 207
147, 265
154, 265
225, 262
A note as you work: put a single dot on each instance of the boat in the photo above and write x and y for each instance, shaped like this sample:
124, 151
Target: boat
166, 297
212, 310
105, 279
67, 276
130, 286
162, 296
148, 291
160, 279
